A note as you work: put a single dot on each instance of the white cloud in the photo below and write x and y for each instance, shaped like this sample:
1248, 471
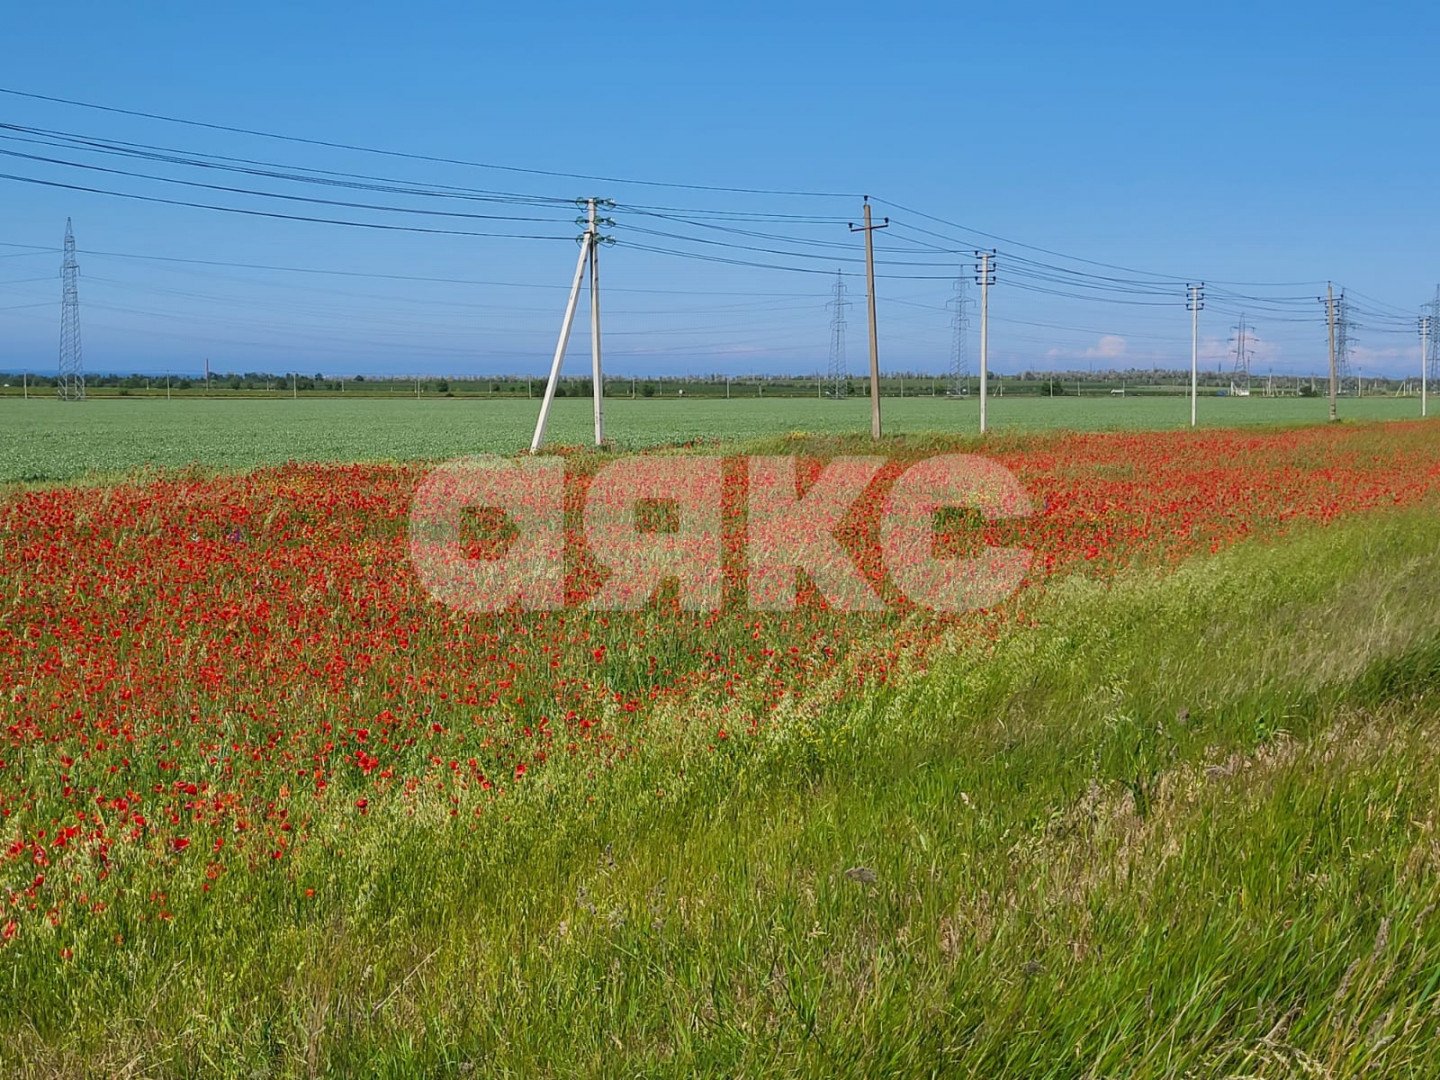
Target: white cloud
1109, 347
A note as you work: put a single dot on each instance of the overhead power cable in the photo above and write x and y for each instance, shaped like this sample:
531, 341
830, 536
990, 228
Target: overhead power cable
336, 145
273, 214
269, 169
275, 195
1080, 259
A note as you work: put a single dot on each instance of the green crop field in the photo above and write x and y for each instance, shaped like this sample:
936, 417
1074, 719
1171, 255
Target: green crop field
46, 440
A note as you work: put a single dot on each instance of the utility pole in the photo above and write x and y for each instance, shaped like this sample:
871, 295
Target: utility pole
869, 230
1424, 357
1329, 303
985, 277
1195, 304
294, 389
597, 380
589, 241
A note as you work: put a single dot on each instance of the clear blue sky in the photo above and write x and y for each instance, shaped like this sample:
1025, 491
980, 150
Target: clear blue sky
1224, 142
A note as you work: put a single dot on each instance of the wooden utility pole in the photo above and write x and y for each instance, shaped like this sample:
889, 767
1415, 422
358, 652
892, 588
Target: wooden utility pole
1334, 370
868, 228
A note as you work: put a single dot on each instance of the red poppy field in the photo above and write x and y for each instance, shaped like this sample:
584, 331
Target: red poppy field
223, 695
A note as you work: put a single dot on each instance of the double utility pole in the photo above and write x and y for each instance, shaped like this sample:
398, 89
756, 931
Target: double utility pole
590, 242
1194, 303
984, 277
868, 228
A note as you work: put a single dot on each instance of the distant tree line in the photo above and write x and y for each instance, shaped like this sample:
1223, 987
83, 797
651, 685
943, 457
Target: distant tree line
1056, 383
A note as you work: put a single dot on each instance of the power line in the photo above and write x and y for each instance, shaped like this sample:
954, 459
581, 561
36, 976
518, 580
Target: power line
242, 166
273, 194
274, 214
1159, 278
335, 145
330, 272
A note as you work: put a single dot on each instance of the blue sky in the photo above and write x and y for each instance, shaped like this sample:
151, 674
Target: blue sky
1275, 145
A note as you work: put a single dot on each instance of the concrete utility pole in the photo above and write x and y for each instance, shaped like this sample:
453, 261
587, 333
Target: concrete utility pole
596, 378
1195, 303
1424, 356
869, 230
1334, 371
985, 277
590, 240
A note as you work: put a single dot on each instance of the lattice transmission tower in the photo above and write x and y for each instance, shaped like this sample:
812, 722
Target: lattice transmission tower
1240, 373
839, 375
1432, 362
1344, 343
71, 384
959, 335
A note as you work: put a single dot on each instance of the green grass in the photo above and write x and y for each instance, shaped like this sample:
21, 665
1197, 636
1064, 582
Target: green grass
45, 440
1183, 825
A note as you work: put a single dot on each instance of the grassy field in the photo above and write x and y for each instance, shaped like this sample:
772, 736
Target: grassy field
43, 440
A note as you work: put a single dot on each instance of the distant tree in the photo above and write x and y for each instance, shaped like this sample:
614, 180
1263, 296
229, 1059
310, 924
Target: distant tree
442, 387
648, 390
